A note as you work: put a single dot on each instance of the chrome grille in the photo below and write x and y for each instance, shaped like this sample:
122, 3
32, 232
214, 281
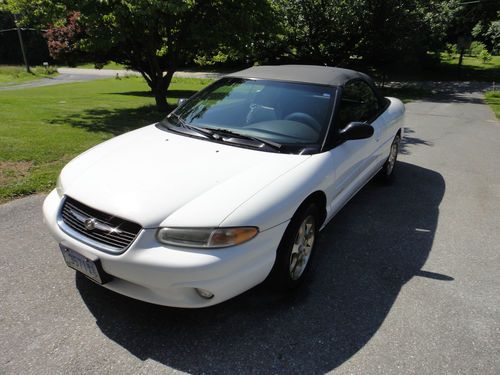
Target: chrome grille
96, 228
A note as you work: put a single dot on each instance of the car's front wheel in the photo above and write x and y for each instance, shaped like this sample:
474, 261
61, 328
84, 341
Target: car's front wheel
387, 172
293, 258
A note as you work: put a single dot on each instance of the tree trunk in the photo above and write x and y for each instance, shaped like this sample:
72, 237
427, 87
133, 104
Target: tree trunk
160, 97
160, 88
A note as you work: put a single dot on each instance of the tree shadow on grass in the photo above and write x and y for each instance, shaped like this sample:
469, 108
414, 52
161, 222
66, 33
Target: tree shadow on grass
114, 121
118, 121
372, 248
447, 71
172, 94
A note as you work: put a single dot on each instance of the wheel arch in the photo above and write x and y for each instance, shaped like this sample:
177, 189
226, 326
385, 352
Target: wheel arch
319, 199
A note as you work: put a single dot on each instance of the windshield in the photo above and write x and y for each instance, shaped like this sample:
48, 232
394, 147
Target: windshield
292, 115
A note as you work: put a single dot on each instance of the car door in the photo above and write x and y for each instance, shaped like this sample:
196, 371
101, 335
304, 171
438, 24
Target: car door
353, 160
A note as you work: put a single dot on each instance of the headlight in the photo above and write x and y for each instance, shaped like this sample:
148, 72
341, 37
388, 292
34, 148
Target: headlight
59, 187
206, 237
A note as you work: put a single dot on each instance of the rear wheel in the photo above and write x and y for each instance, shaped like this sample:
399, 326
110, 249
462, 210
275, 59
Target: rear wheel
296, 249
387, 172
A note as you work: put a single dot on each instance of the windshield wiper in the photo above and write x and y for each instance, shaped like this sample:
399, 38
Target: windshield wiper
266, 142
212, 133
184, 124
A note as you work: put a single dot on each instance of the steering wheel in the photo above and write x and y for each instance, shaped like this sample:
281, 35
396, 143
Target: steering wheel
305, 119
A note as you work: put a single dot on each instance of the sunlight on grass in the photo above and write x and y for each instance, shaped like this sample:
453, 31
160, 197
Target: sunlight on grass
474, 62
493, 100
472, 69
10, 74
43, 128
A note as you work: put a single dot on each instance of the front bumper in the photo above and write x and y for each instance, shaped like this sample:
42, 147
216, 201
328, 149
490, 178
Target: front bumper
168, 275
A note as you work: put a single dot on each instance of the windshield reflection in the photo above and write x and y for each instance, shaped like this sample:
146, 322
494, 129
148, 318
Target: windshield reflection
292, 114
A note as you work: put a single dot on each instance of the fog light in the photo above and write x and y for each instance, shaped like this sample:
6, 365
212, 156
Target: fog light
204, 293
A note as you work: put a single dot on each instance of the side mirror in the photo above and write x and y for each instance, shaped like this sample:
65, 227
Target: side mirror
356, 130
181, 101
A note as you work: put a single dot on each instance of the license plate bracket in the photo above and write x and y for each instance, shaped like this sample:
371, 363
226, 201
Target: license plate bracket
90, 265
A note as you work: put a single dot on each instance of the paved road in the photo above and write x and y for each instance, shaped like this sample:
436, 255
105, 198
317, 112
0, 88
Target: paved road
71, 75
121, 73
407, 281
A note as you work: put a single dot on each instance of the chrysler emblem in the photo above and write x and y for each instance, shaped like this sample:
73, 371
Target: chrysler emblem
90, 223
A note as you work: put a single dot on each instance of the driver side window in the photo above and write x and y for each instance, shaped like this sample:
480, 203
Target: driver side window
358, 103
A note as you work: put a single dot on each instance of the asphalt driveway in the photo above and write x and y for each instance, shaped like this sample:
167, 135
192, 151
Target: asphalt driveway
407, 281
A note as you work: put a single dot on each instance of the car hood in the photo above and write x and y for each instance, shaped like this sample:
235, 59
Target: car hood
154, 177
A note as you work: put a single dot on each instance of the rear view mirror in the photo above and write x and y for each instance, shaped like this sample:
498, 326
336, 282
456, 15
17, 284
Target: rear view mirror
356, 130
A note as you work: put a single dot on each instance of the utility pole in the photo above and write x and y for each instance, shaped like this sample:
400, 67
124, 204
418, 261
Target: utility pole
22, 45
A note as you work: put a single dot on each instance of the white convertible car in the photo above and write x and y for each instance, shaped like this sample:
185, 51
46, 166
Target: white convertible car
229, 190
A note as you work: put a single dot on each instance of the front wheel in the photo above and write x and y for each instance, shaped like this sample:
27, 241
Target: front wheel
295, 251
387, 171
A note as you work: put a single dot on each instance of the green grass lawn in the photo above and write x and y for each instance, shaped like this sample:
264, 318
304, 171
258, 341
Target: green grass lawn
474, 62
473, 68
42, 128
493, 100
11, 75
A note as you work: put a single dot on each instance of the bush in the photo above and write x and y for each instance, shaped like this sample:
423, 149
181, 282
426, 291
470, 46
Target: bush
485, 56
476, 48
450, 51
50, 69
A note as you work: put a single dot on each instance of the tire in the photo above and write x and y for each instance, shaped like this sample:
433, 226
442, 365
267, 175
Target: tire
296, 249
387, 171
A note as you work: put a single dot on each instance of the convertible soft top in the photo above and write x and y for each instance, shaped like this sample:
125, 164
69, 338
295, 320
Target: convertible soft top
323, 75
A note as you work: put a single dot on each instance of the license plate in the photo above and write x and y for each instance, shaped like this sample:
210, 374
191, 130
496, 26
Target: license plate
89, 267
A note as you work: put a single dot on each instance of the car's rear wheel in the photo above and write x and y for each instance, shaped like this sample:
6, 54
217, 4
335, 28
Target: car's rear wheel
293, 258
387, 172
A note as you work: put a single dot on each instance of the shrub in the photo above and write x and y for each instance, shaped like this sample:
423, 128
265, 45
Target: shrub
485, 56
450, 51
476, 48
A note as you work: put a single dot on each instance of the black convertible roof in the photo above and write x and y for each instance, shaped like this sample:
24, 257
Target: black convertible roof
323, 75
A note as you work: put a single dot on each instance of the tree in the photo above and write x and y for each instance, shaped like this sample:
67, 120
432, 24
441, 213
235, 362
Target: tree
473, 19
63, 41
379, 34
395, 35
322, 32
10, 51
493, 34
155, 37
485, 56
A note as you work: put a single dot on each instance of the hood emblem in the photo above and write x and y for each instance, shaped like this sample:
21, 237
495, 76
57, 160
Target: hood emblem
90, 223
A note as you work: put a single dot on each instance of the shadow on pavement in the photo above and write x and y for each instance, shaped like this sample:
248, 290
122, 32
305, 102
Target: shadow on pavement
409, 139
377, 243
442, 92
